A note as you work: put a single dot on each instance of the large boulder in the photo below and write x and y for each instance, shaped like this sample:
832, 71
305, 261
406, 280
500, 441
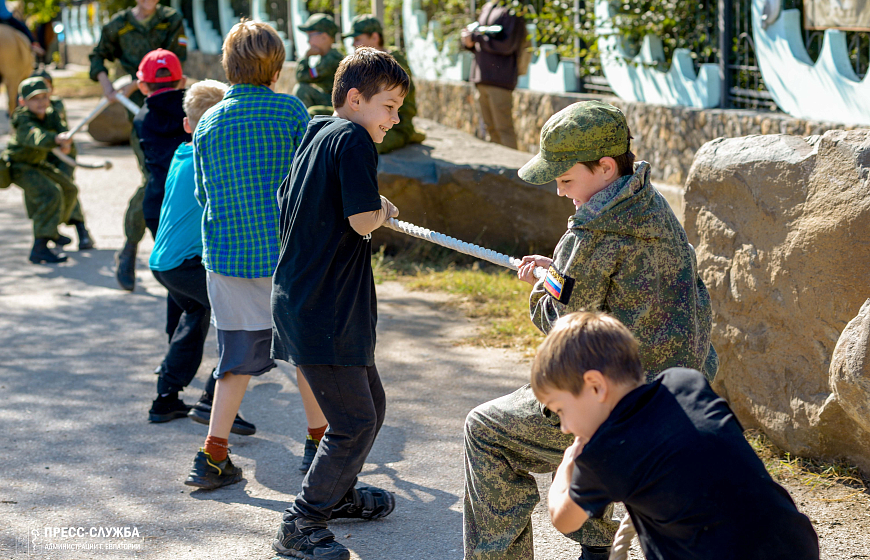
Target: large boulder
465, 187
112, 126
781, 226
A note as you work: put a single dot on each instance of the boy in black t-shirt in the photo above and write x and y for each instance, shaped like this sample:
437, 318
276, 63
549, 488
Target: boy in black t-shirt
324, 310
672, 451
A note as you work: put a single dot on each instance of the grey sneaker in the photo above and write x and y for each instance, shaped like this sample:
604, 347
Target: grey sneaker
310, 540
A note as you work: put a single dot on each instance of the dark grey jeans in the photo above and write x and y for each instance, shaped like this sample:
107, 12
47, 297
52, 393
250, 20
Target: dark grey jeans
353, 401
187, 288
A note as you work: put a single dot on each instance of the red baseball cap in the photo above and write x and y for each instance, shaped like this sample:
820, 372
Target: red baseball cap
155, 60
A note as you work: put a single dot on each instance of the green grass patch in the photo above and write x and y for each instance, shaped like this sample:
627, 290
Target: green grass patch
489, 293
76, 86
784, 466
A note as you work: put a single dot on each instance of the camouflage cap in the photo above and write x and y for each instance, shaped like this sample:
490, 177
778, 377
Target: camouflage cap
322, 23
42, 73
585, 131
365, 24
32, 86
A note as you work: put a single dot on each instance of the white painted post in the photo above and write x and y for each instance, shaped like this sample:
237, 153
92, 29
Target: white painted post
298, 16
227, 16
208, 40
85, 25
67, 25
348, 12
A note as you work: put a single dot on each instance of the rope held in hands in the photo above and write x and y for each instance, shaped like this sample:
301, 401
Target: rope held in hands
460, 246
626, 531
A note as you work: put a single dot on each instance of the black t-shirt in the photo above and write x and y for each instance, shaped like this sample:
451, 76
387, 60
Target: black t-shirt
324, 310
675, 454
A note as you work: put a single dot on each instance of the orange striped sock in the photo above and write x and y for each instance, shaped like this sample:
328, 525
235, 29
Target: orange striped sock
217, 448
317, 433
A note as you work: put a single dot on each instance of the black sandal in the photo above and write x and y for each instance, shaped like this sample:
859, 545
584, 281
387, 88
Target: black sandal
365, 502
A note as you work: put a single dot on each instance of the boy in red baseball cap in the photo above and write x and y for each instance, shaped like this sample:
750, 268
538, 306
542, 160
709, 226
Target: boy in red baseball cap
160, 127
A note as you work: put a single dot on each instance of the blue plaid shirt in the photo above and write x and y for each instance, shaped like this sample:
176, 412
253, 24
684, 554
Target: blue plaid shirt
243, 148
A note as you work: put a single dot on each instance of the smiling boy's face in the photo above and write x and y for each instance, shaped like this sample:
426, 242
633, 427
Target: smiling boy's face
580, 183
38, 104
378, 114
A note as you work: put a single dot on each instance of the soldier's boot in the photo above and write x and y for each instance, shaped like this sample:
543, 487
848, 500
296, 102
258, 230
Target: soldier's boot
125, 274
594, 552
417, 137
41, 253
85, 241
61, 241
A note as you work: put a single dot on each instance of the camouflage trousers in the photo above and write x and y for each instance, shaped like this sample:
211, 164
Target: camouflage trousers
134, 217
51, 198
311, 94
505, 440
77, 214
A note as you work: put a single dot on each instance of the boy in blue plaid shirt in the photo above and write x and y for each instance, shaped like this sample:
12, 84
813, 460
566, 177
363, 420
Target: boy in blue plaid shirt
243, 148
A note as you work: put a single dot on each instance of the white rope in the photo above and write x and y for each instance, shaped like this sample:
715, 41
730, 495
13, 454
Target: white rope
622, 540
461, 246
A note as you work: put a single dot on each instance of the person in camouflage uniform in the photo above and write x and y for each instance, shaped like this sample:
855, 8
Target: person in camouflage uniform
129, 36
314, 77
625, 253
59, 111
367, 31
49, 195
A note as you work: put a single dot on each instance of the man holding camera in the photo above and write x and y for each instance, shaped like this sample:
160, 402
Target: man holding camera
496, 42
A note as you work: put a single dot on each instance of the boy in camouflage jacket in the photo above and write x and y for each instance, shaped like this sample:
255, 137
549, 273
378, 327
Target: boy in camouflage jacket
625, 253
315, 72
85, 240
49, 194
367, 31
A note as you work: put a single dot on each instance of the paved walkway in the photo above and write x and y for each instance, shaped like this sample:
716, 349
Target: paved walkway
76, 382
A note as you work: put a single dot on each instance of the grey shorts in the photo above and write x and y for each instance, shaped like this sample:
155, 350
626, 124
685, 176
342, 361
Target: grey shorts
244, 352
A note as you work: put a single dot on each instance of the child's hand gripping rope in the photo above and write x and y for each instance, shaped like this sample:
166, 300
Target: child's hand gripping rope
461, 246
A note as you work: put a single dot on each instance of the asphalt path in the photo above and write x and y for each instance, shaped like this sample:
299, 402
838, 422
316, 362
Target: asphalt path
77, 356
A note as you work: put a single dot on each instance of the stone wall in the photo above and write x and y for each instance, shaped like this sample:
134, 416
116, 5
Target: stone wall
668, 137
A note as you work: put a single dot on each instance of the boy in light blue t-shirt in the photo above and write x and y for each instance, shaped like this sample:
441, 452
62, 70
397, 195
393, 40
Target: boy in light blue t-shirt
176, 262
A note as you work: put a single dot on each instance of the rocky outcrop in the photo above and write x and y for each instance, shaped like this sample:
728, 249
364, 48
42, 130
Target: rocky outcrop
111, 126
781, 226
457, 184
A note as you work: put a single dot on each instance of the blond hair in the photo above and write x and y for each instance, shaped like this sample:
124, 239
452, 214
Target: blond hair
252, 53
585, 341
200, 97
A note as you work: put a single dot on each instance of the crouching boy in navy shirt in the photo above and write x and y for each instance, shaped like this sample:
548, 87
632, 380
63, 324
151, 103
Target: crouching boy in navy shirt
324, 310
672, 451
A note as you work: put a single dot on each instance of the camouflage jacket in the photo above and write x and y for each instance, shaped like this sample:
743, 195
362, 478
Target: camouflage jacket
128, 40
409, 108
630, 257
60, 111
323, 73
32, 139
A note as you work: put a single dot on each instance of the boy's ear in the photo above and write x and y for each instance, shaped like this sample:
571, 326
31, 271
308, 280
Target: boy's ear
182, 83
143, 88
186, 125
275, 77
354, 98
596, 381
21, 102
608, 166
